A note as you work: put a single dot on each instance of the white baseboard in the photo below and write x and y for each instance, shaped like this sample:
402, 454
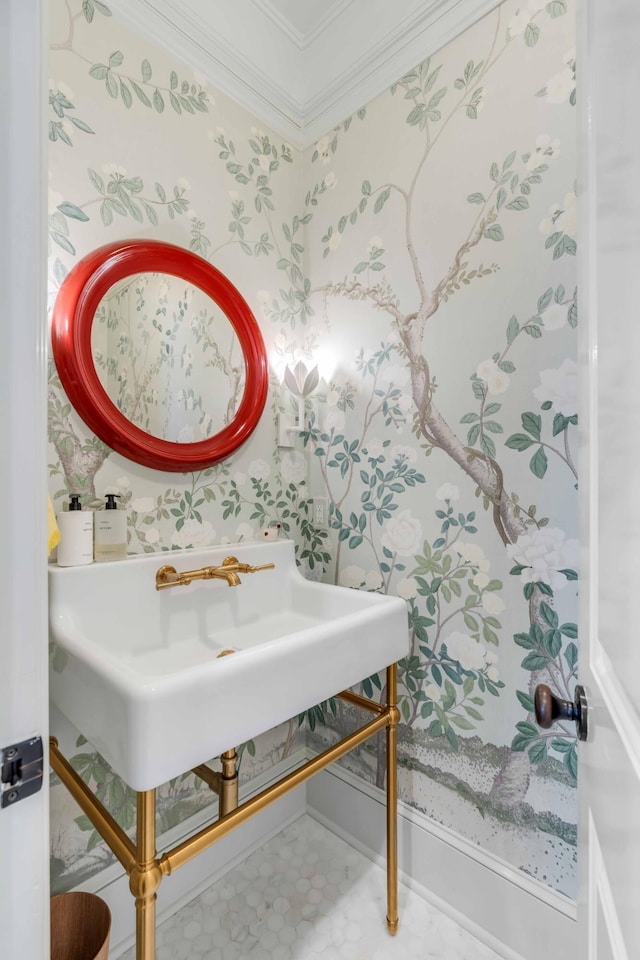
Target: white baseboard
175, 891
518, 917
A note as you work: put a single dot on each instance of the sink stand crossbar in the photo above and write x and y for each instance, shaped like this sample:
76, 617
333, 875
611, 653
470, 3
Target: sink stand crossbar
140, 859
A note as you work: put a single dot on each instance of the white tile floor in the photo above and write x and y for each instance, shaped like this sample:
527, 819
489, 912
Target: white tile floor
308, 895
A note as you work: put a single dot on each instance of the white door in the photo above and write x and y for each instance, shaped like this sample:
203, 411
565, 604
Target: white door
609, 774
24, 825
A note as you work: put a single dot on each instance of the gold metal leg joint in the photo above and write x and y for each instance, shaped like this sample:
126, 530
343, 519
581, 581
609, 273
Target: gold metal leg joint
394, 716
145, 879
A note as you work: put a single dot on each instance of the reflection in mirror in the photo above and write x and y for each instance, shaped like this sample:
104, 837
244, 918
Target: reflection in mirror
167, 357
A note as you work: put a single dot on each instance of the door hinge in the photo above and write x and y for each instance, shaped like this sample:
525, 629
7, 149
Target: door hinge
21, 770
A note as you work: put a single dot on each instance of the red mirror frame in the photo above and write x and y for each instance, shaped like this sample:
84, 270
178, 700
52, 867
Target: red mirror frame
77, 301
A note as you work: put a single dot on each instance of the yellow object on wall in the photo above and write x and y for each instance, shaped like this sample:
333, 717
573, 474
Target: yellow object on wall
53, 534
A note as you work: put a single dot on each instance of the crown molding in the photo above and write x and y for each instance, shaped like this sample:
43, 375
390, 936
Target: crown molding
415, 38
257, 57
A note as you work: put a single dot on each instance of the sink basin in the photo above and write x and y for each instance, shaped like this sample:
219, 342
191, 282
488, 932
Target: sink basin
139, 673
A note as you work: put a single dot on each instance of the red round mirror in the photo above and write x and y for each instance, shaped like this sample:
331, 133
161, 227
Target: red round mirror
84, 292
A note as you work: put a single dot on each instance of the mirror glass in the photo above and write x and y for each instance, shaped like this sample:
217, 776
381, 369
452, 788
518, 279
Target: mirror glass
167, 357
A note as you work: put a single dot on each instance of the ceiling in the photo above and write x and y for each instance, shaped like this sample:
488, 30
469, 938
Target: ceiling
301, 66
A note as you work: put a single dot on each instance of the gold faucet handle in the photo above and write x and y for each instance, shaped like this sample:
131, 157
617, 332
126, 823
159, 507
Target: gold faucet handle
235, 564
166, 577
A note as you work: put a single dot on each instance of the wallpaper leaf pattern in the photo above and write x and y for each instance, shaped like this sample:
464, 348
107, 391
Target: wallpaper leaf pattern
427, 265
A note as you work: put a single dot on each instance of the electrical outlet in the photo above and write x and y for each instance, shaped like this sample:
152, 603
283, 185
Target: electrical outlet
320, 513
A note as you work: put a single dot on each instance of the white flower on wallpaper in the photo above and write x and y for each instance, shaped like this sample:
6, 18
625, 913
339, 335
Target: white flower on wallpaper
492, 602
330, 181
352, 576
496, 379
403, 534
522, 18
245, 531
294, 467
143, 504
407, 588
472, 553
259, 469
334, 419
560, 387
194, 533
469, 653
546, 149
560, 86
562, 217
448, 491
543, 554
374, 447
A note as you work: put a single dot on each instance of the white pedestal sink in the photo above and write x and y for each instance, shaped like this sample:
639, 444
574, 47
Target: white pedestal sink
138, 671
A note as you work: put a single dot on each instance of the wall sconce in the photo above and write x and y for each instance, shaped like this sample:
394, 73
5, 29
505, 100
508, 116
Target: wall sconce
301, 383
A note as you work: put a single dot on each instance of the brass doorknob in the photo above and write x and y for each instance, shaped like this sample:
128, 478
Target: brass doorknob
549, 708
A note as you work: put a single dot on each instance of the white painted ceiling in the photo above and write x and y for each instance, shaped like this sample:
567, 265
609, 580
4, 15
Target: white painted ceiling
302, 66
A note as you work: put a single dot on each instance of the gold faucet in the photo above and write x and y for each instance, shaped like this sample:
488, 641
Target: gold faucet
228, 570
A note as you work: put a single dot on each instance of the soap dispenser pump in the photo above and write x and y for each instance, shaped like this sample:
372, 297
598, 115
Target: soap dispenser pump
110, 531
76, 534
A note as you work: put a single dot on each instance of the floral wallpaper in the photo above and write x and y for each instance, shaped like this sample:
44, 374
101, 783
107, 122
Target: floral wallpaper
422, 255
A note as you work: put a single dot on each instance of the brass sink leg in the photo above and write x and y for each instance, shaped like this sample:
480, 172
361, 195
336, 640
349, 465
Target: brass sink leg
229, 782
145, 877
392, 801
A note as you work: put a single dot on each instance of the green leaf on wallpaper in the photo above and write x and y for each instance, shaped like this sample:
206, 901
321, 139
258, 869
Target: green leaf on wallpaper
111, 85
173, 80
494, 232
140, 94
535, 661
416, 116
571, 655
64, 243
539, 463
490, 409
526, 700
145, 69
533, 331
518, 203
102, 7
106, 213
509, 161
494, 172
532, 423
556, 8
175, 103
560, 423
538, 752
571, 761
531, 34
88, 10
545, 300
502, 196
70, 210
360, 266
569, 630
513, 329
98, 71
125, 93
158, 101
493, 426
476, 198
115, 59
381, 200
548, 614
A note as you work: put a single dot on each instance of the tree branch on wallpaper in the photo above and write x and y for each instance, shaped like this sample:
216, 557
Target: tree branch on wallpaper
509, 186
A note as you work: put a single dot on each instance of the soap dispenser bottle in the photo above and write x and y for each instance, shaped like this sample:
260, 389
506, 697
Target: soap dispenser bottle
76, 534
110, 541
